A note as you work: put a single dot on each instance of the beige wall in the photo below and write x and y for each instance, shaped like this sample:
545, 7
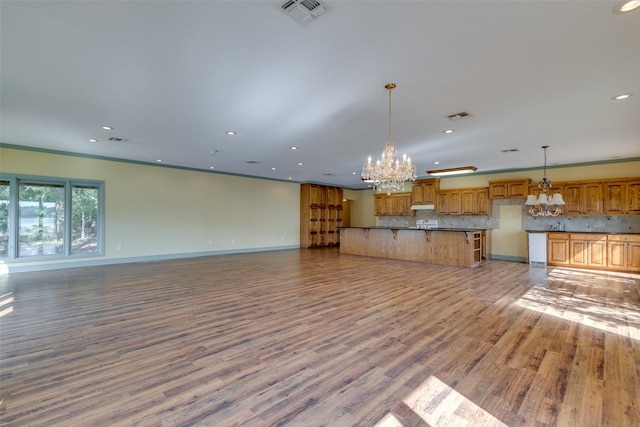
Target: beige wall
154, 211
596, 171
361, 207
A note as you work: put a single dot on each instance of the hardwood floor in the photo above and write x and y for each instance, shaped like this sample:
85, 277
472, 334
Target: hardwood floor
315, 338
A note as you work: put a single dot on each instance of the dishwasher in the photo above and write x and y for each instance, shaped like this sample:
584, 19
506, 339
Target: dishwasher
538, 248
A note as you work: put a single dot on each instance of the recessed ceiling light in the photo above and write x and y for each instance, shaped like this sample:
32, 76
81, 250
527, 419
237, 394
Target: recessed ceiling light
230, 132
626, 6
159, 160
354, 173
273, 169
622, 95
93, 140
293, 147
448, 131
436, 163
212, 167
300, 163
107, 128
290, 178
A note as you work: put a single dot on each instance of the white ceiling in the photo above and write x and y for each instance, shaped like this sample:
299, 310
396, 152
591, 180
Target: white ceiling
172, 77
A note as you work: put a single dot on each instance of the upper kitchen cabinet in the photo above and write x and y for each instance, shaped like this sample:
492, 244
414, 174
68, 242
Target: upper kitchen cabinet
615, 197
475, 201
423, 192
633, 196
621, 197
509, 189
395, 204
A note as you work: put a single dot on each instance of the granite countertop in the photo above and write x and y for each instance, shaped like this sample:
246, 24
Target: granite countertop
582, 232
386, 227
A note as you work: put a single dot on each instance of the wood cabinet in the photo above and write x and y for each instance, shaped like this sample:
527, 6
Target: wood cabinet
509, 189
572, 196
423, 192
592, 198
467, 201
320, 215
588, 250
633, 196
395, 204
615, 198
558, 249
475, 201
449, 202
621, 197
619, 252
623, 252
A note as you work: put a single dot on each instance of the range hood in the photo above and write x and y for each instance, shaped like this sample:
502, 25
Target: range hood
423, 207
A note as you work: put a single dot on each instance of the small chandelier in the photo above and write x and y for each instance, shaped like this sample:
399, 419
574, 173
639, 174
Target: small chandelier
389, 173
546, 203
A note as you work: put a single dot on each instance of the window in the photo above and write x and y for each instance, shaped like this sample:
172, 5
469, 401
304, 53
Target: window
84, 219
49, 217
40, 219
4, 219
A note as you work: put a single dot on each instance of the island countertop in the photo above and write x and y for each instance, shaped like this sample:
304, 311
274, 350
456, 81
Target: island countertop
387, 227
463, 247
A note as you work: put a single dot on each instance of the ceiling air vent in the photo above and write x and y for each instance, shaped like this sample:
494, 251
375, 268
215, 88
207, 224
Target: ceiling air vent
459, 116
303, 10
114, 139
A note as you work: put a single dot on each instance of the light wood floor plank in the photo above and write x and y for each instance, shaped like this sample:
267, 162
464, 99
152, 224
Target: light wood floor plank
316, 338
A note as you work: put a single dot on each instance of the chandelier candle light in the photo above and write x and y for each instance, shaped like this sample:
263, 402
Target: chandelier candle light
547, 203
388, 172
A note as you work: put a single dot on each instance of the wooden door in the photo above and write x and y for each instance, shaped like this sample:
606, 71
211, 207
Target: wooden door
617, 255
615, 198
558, 250
318, 195
573, 199
442, 205
483, 204
592, 199
468, 202
578, 253
379, 204
633, 197
597, 253
417, 194
454, 202
633, 256
516, 190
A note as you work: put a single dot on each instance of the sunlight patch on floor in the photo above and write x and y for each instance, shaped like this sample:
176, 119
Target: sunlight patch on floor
389, 420
6, 304
595, 311
439, 405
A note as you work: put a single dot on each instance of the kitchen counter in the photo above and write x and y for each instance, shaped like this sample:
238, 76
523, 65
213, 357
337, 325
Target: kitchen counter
462, 247
582, 232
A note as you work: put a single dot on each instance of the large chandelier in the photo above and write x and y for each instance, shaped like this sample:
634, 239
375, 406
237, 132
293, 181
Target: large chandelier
388, 172
546, 203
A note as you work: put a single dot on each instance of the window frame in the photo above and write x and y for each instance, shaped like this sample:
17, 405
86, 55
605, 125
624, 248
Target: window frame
69, 183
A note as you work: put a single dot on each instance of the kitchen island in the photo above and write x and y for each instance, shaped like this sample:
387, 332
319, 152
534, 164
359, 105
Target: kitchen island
447, 246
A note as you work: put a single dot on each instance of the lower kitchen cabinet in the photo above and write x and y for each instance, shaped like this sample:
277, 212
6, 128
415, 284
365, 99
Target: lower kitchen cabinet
623, 252
558, 249
588, 250
616, 252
